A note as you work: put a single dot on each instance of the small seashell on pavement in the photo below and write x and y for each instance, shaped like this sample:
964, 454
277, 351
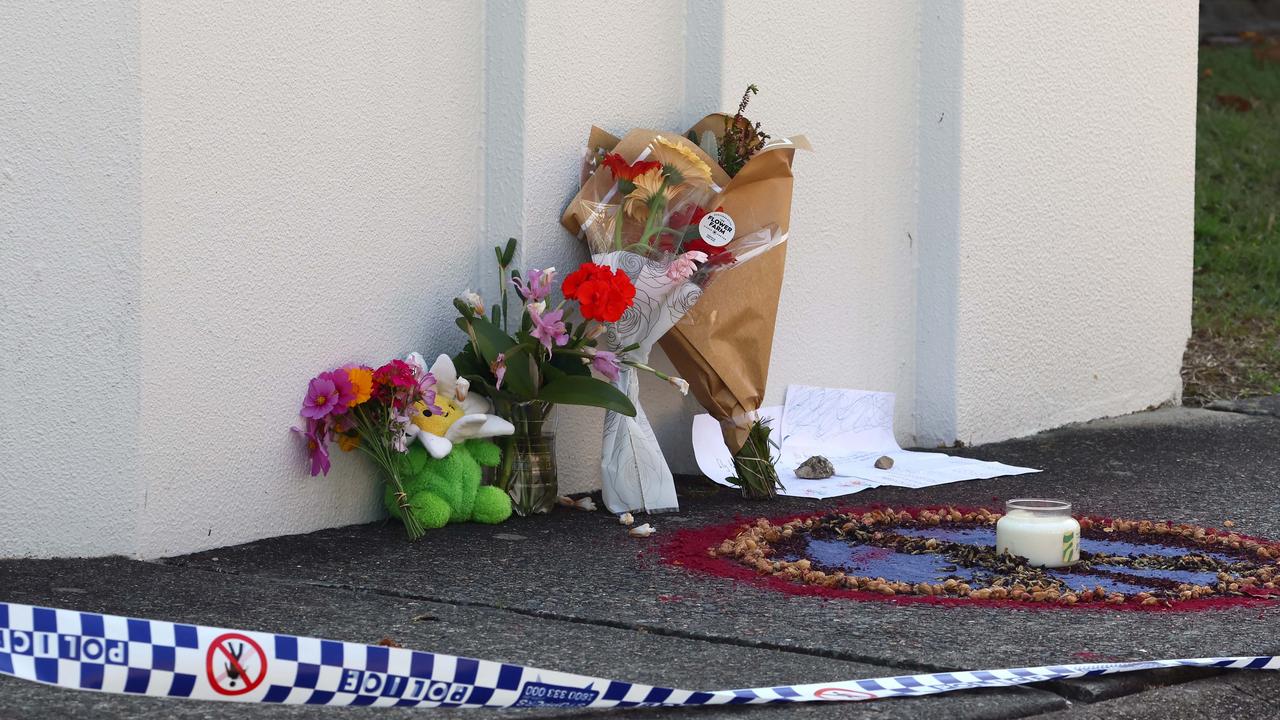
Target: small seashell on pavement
644, 530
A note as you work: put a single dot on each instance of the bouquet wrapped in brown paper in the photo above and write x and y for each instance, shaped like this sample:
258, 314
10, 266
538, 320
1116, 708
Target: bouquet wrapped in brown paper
723, 214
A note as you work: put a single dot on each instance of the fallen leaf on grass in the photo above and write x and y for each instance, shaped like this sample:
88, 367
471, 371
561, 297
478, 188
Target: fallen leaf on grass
1267, 53
1235, 102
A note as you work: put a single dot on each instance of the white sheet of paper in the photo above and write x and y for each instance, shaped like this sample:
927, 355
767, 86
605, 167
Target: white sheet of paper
852, 429
715, 461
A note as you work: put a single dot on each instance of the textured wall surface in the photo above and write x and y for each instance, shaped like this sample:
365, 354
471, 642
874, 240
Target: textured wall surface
311, 197
201, 207
1076, 182
70, 330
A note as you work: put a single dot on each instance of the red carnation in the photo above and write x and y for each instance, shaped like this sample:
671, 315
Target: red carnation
602, 294
396, 373
622, 171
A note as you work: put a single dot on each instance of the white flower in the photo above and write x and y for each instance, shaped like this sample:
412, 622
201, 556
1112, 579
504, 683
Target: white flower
475, 420
642, 531
473, 300
583, 503
680, 384
417, 361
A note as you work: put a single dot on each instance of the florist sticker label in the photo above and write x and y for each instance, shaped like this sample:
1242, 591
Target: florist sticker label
716, 228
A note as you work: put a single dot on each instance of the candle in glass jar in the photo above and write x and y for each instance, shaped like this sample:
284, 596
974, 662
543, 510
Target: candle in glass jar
1042, 531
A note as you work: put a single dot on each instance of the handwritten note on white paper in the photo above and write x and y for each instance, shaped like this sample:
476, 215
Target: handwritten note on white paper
852, 429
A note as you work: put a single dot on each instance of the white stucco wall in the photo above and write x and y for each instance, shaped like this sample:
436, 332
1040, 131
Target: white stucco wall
1058, 210
312, 189
70, 291
201, 207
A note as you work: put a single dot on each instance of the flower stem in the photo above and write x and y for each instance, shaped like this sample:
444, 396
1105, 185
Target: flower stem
753, 464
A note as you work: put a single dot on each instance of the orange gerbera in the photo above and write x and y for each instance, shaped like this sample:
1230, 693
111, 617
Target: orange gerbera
648, 187
361, 382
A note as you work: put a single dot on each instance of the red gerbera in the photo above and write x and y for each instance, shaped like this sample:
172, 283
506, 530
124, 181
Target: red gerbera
602, 294
622, 171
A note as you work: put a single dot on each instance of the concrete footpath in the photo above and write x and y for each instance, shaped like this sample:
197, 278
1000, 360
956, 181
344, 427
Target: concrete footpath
573, 592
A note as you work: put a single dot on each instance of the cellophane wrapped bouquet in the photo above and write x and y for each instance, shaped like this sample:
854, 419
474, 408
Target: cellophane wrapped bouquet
657, 206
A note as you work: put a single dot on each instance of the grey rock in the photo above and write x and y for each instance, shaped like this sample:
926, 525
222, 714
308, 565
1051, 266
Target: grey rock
884, 462
815, 468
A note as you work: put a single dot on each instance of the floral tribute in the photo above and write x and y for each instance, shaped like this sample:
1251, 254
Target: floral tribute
657, 206
545, 355
372, 410
947, 555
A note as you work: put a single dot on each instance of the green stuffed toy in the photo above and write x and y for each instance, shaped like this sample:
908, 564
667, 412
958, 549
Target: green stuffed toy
448, 490
443, 468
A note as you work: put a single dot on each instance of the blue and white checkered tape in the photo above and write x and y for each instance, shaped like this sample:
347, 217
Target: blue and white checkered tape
107, 653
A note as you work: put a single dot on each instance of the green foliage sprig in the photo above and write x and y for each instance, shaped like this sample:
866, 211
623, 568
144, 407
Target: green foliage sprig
741, 139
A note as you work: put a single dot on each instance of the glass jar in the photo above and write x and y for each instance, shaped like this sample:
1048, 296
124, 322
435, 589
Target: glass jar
1042, 531
529, 459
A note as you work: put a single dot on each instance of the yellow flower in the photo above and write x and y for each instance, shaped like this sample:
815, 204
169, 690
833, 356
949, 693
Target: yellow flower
682, 159
362, 382
648, 186
348, 442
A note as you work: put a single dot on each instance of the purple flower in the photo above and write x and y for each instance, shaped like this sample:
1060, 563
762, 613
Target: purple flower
316, 435
344, 392
427, 385
605, 363
499, 369
540, 285
549, 328
322, 397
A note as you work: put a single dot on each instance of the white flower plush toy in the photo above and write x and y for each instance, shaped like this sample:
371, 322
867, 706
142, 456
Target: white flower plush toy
463, 416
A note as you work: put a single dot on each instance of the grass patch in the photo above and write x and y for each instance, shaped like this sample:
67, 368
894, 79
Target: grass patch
1235, 346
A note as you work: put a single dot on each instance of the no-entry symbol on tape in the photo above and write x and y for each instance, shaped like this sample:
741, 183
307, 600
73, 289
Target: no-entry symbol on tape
235, 664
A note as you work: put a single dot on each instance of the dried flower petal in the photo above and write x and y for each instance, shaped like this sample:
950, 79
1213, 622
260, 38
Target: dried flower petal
642, 531
626, 519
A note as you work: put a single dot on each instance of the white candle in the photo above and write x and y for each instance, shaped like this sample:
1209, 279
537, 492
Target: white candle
1042, 531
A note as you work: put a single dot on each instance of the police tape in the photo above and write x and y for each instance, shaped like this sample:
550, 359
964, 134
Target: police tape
107, 653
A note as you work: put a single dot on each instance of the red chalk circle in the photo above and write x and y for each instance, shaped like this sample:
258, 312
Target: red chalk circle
1252, 564
235, 664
